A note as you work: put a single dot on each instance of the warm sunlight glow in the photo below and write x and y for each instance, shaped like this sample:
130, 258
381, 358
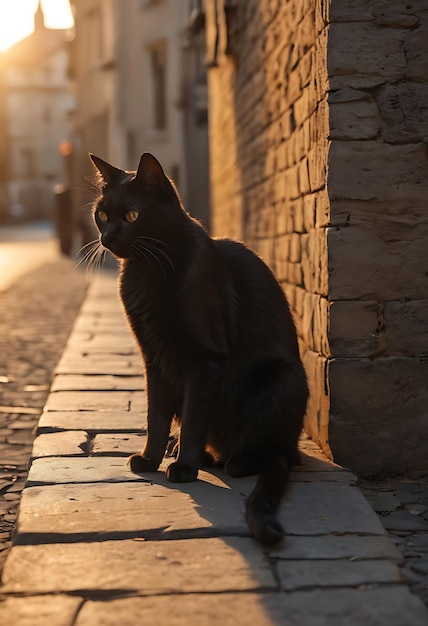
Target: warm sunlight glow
17, 18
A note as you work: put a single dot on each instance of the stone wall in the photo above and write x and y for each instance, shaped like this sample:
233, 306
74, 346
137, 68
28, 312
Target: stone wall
378, 235
317, 120
269, 148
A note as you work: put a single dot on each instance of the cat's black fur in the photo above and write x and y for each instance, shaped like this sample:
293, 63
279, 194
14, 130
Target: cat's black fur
217, 337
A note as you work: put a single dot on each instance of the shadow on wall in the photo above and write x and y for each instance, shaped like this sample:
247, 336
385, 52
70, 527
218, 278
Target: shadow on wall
269, 129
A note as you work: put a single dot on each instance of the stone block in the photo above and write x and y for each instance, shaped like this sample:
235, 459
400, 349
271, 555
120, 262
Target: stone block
305, 34
315, 322
55, 610
348, 11
417, 50
101, 343
349, 547
317, 164
96, 401
393, 176
144, 567
73, 362
403, 110
323, 508
107, 382
378, 419
358, 119
335, 607
91, 421
156, 510
111, 307
363, 56
57, 470
406, 331
303, 175
322, 209
318, 501
305, 105
405, 522
354, 328
95, 322
118, 444
317, 413
295, 575
294, 255
69, 443
363, 266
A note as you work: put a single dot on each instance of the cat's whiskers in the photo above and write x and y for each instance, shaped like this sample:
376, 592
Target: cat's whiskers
93, 256
153, 244
86, 251
87, 205
144, 249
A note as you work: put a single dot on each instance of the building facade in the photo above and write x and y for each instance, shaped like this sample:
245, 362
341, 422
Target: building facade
140, 85
318, 126
38, 105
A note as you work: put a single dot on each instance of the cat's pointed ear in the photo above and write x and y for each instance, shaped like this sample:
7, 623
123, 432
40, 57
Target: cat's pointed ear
109, 173
149, 171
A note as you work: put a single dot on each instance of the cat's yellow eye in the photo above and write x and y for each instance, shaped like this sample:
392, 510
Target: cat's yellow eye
102, 216
131, 216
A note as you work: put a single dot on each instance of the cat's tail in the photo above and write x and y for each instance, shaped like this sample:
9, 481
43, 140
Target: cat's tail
263, 502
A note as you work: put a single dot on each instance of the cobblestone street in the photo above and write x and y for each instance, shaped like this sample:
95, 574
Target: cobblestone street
36, 316
402, 504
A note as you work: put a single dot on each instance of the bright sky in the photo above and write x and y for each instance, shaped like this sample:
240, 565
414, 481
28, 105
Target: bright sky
17, 18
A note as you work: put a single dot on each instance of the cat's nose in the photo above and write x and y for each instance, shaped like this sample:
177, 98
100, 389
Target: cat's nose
108, 237
106, 240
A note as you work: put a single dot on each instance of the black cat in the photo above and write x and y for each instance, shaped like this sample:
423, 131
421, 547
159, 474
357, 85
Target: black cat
217, 337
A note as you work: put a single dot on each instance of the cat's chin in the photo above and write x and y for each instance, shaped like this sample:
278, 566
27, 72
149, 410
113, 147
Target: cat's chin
117, 253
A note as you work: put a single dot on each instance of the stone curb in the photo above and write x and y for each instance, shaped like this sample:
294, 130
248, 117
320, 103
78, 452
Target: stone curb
95, 544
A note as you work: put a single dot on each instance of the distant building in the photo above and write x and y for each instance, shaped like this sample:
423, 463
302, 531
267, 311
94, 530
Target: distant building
140, 85
37, 103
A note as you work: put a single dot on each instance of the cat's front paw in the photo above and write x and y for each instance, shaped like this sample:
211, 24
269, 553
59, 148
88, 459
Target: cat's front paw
138, 464
181, 473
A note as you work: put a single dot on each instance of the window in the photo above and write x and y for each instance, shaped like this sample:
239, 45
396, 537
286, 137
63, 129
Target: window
158, 79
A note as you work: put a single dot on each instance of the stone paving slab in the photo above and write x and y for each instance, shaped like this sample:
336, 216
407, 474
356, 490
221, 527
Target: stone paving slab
53, 610
309, 574
134, 509
310, 508
96, 401
118, 444
143, 567
58, 470
80, 382
159, 511
91, 323
70, 443
119, 343
91, 363
124, 445
107, 308
352, 547
338, 607
311, 461
91, 421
